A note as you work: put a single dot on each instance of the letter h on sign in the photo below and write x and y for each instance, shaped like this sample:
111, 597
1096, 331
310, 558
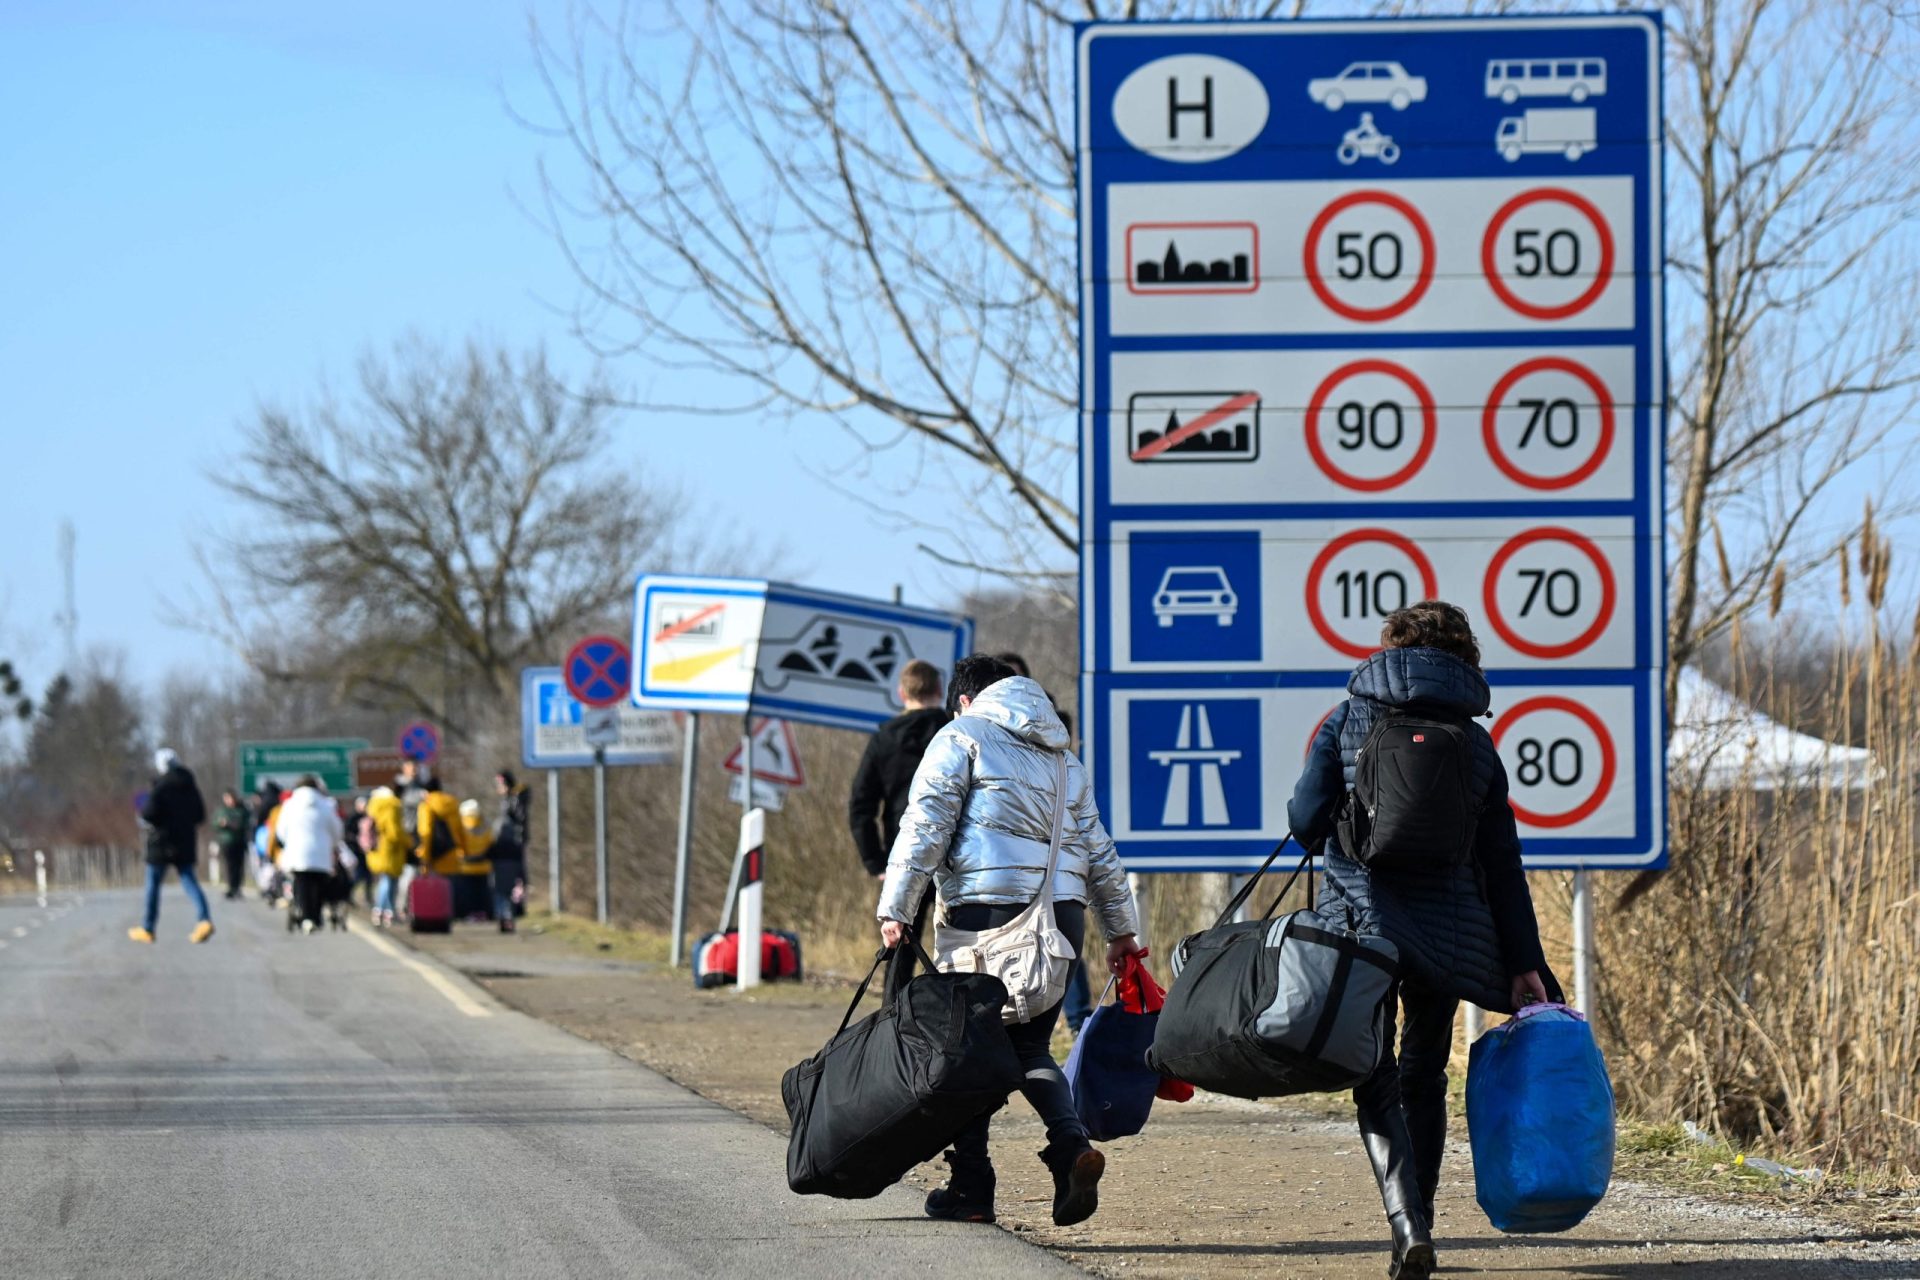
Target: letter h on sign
1204, 108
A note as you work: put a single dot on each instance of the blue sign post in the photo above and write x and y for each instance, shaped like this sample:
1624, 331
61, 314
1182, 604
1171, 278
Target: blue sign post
1371, 312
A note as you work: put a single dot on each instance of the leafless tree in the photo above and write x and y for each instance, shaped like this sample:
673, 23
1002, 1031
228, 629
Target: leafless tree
865, 212
454, 521
1797, 182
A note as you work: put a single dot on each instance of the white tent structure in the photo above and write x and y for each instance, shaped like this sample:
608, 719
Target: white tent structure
1727, 745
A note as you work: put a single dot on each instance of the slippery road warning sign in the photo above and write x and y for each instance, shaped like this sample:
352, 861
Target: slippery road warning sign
1372, 312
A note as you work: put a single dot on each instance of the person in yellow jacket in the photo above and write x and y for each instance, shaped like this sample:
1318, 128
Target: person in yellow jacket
387, 858
447, 848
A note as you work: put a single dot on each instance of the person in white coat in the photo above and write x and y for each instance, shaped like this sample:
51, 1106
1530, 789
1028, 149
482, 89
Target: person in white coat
309, 830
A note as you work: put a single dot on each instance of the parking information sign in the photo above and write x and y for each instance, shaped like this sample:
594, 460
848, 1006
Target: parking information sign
1371, 312
554, 727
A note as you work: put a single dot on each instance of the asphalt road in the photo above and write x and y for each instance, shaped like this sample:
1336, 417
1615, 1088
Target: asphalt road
272, 1105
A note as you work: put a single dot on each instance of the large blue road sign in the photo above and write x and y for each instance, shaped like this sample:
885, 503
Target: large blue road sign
1371, 312
553, 727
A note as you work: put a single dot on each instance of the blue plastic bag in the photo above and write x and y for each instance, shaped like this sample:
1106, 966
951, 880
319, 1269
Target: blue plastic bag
1540, 1117
1113, 1087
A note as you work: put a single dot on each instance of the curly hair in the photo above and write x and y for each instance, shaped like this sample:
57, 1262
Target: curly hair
1432, 624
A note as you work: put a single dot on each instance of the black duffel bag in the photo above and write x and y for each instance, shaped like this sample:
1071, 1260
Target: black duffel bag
1266, 1008
896, 1087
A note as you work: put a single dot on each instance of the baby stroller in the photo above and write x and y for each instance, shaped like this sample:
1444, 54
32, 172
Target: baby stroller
335, 894
266, 877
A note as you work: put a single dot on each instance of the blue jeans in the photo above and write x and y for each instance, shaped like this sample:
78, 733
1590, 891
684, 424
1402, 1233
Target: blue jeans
506, 874
188, 881
383, 889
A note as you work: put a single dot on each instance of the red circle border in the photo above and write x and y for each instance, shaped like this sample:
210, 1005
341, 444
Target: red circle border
1490, 267
1489, 423
1429, 425
1490, 596
1370, 315
1429, 584
1608, 759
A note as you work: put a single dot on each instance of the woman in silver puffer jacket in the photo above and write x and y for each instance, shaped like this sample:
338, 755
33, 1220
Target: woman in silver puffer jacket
979, 822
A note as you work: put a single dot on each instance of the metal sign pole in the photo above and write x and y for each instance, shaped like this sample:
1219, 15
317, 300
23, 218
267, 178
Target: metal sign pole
553, 839
600, 831
746, 807
1584, 996
683, 855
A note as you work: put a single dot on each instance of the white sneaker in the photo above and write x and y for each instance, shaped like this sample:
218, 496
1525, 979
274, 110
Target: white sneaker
306, 926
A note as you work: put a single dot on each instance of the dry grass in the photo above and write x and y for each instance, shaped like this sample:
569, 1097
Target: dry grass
1768, 986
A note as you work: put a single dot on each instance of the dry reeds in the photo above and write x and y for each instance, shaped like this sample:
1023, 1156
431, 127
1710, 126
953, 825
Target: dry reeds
1769, 984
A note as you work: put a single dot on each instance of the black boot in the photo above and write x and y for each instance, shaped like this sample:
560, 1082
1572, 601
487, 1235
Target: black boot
968, 1195
1427, 1130
1384, 1131
1076, 1169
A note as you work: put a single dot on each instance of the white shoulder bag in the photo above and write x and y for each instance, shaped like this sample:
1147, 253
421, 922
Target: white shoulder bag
1028, 953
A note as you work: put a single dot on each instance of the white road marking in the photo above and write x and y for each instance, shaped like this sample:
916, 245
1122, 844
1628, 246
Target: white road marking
437, 980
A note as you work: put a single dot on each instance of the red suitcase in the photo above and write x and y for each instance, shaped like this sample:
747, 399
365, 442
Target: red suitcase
430, 904
716, 957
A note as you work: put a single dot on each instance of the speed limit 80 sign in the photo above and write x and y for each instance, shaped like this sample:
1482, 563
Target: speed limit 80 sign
1372, 313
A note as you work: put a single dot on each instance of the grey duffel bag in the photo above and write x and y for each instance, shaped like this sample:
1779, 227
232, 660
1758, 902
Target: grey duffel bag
1266, 1008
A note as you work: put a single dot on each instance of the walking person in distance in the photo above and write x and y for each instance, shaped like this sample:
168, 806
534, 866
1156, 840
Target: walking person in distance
308, 827
509, 851
885, 775
1440, 879
232, 826
979, 824
172, 814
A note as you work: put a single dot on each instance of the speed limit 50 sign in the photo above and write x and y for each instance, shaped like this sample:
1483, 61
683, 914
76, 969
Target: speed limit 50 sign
1371, 313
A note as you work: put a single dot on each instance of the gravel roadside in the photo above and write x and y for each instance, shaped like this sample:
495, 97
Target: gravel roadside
1215, 1188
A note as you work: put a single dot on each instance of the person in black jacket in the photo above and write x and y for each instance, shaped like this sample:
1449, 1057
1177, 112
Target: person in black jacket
172, 813
885, 775
232, 827
508, 853
1464, 931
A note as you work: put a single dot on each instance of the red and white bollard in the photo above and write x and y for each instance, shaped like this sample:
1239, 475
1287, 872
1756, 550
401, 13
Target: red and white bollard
753, 835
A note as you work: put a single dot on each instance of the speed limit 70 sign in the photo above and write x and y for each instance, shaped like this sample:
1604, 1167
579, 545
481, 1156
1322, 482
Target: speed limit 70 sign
1372, 313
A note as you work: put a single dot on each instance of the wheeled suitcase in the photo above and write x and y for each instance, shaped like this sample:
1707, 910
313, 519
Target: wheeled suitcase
898, 1086
716, 958
430, 904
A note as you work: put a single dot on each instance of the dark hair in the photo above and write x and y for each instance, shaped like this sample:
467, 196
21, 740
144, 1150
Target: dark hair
973, 675
920, 680
1018, 663
308, 780
506, 776
1432, 624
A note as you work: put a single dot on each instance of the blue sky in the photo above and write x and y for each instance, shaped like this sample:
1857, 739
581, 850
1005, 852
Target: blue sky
212, 204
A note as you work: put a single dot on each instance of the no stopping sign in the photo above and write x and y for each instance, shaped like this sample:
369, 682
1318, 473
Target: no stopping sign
1561, 760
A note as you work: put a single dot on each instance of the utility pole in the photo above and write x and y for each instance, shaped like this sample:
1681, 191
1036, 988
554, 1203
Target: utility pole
68, 619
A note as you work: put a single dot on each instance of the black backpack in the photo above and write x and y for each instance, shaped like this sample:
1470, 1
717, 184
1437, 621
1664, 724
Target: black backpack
442, 841
1412, 802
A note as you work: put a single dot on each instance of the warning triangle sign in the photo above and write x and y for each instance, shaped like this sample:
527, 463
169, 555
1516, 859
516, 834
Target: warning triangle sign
776, 757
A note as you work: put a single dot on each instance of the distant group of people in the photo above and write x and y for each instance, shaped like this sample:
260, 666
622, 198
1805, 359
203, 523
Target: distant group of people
306, 850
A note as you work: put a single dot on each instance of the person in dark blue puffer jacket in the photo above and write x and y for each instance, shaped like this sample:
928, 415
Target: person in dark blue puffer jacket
1465, 932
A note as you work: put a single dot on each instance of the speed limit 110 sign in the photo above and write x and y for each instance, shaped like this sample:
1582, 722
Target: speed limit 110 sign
1371, 313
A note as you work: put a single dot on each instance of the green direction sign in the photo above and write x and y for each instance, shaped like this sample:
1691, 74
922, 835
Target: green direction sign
329, 759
